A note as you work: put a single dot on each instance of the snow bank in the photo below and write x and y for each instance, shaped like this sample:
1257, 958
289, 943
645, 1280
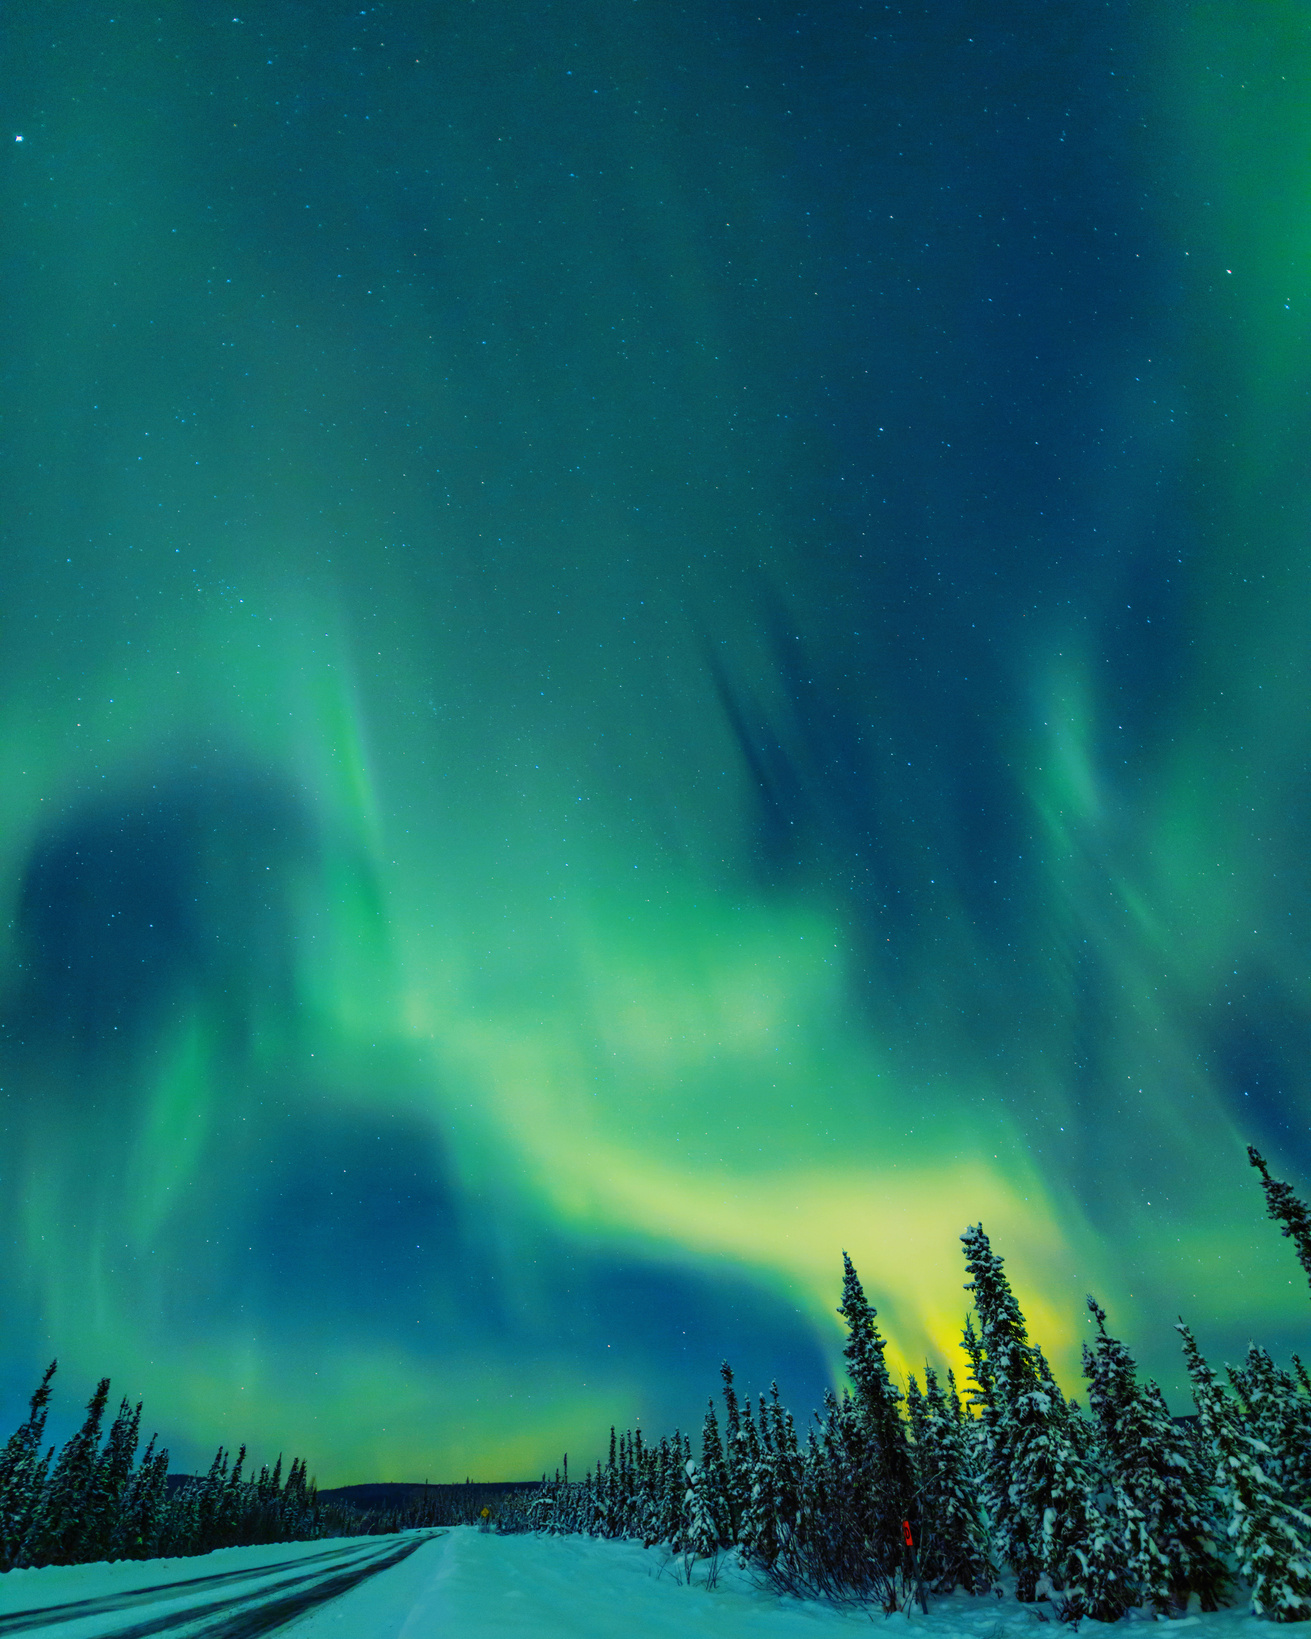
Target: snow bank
527, 1587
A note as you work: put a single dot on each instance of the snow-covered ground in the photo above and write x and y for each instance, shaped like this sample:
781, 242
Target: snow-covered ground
237, 1593
466, 1583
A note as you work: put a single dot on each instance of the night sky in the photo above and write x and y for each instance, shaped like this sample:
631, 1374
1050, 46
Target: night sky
641, 641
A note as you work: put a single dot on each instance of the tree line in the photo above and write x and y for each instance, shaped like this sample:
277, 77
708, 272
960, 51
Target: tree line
100, 1500
893, 1495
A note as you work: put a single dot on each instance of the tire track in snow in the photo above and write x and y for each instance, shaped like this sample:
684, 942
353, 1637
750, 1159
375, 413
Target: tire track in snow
243, 1615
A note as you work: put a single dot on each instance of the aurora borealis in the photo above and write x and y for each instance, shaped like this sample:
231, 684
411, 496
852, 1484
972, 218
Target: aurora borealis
641, 642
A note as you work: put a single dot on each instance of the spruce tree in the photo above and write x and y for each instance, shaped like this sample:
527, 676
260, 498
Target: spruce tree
610, 1492
915, 1417
891, 1481
626, 1486
1055, 1519
1043, 1495
712, 1498
954, 1538
703, 1527
749, 1454
1285, 1208
209, 1504
673, 1522
56, 1529
1277, 1412
105, 1494
809, 1512
1268, 1536
758, 1532
136, 1529
1161, 1499
776, 1495
657, 1523
1189, 1527
736, 1456
23, 1474
232, 1520
1002, 1368
849, 1552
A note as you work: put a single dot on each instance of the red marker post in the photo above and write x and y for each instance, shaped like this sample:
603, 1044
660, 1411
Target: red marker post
909, 1540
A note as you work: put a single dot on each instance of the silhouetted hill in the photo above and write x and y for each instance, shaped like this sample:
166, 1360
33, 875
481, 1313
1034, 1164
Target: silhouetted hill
402, 1493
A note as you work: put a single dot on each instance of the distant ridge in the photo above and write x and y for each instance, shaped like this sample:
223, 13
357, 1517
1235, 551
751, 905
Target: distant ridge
400, 1493
393, 1493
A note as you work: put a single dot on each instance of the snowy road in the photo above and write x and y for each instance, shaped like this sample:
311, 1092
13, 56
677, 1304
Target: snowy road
464, 1584
191, 1597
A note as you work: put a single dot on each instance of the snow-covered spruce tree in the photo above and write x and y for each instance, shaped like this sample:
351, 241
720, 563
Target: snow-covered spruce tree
177, 1525
840, 1553
641, 1455
712, 1488
136, 1529
750, 1450
238, 1504
626, 1514
1081, 1430
1043, 1498
773, 1513
631, 1481
618, 1505
954, 1546
1052, 1488
109, 1483
1277, 1411
23, 1474
209, 1505
978, 1422
673, 1523
608, 1523
655, 1525
1162, 1501
835, 1557
915, 1417
56, 1528
737, 1462
1077, 1424
584, 1504
300, 1502
641, 1459
890, 1482
657, 1485
1285, 1208
701, 1536
757, 1536
268, 1489
926, 1537
800, 1565
1267, 1535
1002, 1369
639, 1510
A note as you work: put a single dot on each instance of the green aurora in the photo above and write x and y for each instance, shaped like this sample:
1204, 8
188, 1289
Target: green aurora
642, 643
